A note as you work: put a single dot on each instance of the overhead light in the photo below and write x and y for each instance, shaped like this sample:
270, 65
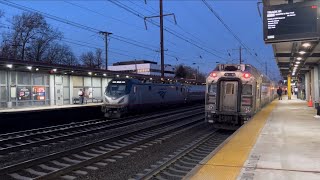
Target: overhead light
298, 62
37, 69
306, 45
95, 74
29, 67
118, 75
299, 58
302, 52
296, 65
72, 71
54, 70
9, 66
65, 73
127, 76
104, 74
150, 78
90, 73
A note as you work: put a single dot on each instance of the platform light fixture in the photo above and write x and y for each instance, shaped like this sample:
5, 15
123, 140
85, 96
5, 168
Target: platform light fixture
9, 66
90, 73
54, 70
118, 75
150, 78
298, 62
37, 69
302, 52
72, 71
306, 45
299, 58
29, 67
296, 65
65, 73
127, 76
104, 74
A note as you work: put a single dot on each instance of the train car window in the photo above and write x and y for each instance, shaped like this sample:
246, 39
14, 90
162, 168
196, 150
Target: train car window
230, 88
149, 88
230, 68
246, 89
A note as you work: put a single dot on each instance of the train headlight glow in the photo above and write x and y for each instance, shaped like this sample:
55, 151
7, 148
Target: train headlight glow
213, 74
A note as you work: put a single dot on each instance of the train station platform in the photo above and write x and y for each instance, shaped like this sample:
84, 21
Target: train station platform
44, 108
282, 141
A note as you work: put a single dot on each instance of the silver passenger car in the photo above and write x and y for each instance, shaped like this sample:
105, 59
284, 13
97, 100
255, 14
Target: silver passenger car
234, 93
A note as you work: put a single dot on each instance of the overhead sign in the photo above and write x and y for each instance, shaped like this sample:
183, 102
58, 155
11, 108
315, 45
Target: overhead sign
291, 22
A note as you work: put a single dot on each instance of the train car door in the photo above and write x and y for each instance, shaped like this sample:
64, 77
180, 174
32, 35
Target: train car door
229, 94
59, 94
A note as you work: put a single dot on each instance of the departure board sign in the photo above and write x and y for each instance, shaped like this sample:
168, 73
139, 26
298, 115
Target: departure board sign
291, 22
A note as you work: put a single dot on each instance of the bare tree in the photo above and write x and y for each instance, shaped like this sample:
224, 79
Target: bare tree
41, 43
88, 59
92, 60
98, 58
30, 36
60, 54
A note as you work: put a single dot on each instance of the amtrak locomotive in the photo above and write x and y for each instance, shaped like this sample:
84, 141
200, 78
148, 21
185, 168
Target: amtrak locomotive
234, 93
123, 96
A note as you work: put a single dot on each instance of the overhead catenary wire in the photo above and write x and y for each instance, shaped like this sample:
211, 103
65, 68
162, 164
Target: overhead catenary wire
172, 32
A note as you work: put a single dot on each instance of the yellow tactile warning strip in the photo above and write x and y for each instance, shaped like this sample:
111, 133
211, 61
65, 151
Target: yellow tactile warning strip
229, 160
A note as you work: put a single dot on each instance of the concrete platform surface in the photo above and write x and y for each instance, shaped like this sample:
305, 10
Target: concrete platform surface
41, 108
288, 146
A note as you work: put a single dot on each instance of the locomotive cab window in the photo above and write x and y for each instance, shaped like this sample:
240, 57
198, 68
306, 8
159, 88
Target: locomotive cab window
212, 88
246, 89
230, 88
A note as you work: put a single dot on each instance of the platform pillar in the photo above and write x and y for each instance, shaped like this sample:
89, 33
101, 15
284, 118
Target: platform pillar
289, 87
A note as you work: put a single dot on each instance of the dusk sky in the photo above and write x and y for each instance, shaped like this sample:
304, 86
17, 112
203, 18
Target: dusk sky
194, 21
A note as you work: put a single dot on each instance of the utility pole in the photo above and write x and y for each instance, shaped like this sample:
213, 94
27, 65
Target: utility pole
161, 40
161, 34
106, 34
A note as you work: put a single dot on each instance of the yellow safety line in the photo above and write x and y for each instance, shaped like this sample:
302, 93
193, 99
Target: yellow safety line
228, 161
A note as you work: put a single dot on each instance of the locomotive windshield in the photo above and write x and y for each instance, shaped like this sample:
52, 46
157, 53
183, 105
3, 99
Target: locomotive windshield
117, 88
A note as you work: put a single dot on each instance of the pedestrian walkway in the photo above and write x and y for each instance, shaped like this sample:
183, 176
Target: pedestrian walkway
281, 142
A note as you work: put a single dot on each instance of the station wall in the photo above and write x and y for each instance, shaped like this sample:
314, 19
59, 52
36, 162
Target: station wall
25, 89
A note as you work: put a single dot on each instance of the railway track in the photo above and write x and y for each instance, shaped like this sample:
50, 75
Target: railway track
179, 164
95, 154
26, 140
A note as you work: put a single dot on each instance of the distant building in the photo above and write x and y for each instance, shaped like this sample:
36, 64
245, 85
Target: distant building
143, 67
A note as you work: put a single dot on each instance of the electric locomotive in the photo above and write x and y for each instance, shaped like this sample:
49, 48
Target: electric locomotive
234, 93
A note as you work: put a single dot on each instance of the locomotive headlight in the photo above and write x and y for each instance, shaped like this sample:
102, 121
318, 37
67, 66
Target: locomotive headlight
210, 107
121, 100
106, 100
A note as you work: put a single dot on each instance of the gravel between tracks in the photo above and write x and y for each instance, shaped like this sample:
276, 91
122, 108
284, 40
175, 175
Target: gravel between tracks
136, 162
13, 158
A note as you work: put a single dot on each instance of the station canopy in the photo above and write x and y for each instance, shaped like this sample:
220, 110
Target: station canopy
294, 57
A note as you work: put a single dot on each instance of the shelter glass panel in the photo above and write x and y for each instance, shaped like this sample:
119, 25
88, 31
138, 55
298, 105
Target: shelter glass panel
3, 93
24, 78
96, 92
13, 78
3, 77
87, 81
96, 82
66, 93
66, 81
77, 81
38, 79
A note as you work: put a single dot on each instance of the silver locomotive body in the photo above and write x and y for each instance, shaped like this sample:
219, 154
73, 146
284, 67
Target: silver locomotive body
234, 94
123, 96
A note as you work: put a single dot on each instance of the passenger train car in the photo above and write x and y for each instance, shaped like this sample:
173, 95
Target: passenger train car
234, 93
123, 96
